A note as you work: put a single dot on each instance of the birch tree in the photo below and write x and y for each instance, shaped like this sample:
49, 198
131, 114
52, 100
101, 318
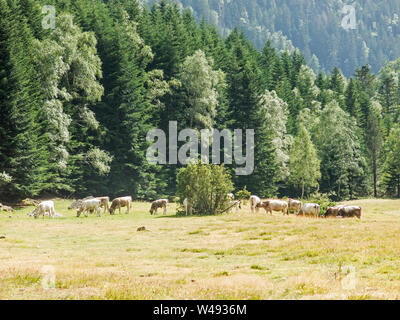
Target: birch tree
304, 163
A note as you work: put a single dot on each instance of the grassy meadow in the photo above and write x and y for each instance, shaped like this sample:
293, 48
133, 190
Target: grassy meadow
234, 256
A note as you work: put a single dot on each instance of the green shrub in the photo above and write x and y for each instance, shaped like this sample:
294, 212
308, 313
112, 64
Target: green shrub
243, 195
207, 186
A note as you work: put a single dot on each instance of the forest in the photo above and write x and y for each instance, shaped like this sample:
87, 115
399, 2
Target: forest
315, 27
78, 100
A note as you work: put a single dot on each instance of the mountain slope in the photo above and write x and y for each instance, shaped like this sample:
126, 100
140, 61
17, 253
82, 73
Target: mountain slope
315, 27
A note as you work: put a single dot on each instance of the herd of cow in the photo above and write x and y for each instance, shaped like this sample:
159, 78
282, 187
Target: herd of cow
93, 204
303, 209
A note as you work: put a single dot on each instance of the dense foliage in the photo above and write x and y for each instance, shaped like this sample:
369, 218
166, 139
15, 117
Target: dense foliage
77, 103
315, 27
206, 185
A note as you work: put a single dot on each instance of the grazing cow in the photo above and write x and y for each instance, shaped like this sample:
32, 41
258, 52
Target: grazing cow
350, 212
310, 209
162, 203
333, 211
254, 201
188, 206
89, 206
46, 207
294, 205
231, 196
120, 203
274, 205
7, 209
77, 204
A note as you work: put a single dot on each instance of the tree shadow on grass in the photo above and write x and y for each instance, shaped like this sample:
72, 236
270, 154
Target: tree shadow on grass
183, 216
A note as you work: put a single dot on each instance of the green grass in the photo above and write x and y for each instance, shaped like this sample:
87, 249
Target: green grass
237, 256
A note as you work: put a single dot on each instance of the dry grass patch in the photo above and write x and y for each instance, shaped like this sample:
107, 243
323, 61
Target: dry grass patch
237, 256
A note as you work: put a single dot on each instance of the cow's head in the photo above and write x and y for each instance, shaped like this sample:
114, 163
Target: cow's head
79, 211
263, 204
358, 214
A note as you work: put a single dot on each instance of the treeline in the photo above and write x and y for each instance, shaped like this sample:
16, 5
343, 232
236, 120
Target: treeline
315, 27
77, 102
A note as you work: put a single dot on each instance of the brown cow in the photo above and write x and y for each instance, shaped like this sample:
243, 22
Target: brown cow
350, 212
120, 203
162, 203
333, 211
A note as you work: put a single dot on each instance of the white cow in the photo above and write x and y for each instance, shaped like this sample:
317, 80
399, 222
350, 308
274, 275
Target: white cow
43, 208
188, 206
274, 205
310, 209
254, 202
231, 196
89, 205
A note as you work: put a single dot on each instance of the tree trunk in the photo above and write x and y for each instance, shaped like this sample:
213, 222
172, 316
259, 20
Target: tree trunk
351, 191
302, 192
398, 190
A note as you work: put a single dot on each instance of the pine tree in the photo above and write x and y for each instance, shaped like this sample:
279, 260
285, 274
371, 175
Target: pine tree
21, 156
244, 91
391, 167
351, 98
